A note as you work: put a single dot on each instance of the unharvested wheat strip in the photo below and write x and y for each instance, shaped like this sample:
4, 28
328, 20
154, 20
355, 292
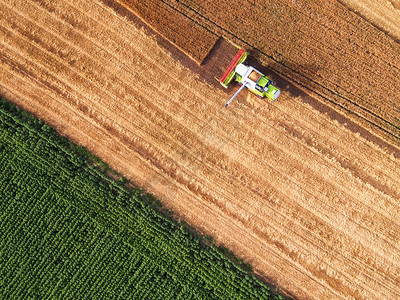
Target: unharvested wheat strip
352, 97
382, 14
356, 28
171, 24
362, 81
345, 20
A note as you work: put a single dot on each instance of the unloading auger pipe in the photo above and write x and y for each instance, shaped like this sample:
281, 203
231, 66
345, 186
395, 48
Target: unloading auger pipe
238, 91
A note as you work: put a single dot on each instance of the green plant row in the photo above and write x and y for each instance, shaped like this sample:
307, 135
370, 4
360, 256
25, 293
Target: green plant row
70, 231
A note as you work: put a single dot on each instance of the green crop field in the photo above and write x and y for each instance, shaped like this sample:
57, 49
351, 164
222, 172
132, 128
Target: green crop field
69, 231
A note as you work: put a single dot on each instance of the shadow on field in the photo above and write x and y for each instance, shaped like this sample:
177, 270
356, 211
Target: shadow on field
286, 86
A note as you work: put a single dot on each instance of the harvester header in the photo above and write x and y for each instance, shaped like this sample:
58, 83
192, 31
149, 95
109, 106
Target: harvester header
227, 77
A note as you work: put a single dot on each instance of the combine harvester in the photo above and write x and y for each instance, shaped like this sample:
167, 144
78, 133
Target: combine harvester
248, 77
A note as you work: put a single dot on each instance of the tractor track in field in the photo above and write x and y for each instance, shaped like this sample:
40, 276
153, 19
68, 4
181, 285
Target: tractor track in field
310, 204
